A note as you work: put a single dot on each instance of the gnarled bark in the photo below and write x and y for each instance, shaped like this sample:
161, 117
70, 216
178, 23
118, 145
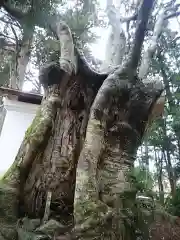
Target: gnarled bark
98, 119
43, 173
118, 119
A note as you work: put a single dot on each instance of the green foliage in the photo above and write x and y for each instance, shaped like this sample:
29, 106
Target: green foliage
138, 212
4, 74
164, 137
143, 179
35, 16
173, 203
6, 61
35, 12
8, 206
34, 124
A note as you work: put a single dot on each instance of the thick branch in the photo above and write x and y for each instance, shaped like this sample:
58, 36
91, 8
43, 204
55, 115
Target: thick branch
67, 59
116, 43
165, 80
143, 17
176, 14
23, 54
82, 65
15, 35
143, 71
146, 60
65, 37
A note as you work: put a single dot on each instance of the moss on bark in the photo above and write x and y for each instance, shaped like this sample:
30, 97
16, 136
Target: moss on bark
8, 212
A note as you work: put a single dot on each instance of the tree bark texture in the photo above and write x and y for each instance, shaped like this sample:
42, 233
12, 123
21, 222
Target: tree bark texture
55, 138
22, 52
45, 166
24, 55
104, 190
61, 150
77, 156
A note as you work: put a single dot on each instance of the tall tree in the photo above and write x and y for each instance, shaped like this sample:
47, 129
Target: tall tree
90, 122
28, 16
165, 136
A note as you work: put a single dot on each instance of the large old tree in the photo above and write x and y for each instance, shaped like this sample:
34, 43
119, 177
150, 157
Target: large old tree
72, 175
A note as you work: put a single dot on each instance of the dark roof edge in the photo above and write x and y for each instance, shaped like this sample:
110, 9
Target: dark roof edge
22, 96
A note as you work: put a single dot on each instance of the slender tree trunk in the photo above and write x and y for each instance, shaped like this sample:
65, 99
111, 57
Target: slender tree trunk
170, 172
146, 154
167, 157
116, 44
24, 55
178, 149
13, 75
159, 166
169, 95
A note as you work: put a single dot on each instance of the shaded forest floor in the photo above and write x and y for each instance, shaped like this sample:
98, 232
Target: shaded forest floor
166, 230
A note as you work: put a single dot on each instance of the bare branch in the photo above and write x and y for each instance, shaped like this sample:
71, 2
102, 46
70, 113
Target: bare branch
146, 60
67, 59
15, 35
143, 70
116, 44
143, 17
176, 14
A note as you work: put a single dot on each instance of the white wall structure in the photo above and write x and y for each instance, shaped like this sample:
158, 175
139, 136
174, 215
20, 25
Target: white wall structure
19, 116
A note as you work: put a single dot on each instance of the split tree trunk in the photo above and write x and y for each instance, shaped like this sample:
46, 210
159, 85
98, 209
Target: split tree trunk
105, 194
98, 119
46, 163
49, 154
56, 135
